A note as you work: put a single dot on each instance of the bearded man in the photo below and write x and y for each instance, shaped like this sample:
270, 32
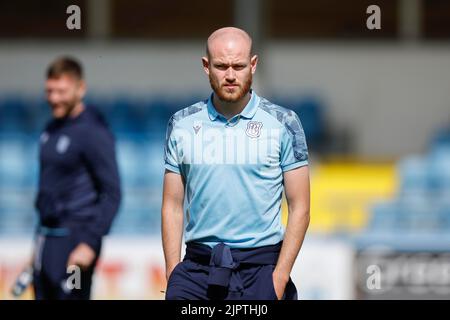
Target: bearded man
228, 160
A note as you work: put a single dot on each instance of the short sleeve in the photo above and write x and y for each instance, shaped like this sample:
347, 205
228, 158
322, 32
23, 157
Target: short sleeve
294, 150
170, 149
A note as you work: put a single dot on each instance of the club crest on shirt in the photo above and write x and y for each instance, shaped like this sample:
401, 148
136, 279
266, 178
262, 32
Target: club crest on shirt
253, 129
63, 144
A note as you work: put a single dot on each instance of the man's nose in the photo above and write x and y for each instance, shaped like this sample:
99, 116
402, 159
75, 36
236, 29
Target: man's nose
53, 97
230, 75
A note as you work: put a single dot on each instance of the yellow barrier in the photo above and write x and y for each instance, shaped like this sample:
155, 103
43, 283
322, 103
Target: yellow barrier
342, 192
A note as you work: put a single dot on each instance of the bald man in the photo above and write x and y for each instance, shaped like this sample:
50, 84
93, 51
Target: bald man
231, 156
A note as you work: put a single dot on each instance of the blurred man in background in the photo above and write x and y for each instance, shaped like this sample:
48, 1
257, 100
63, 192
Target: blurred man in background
232, 154
79, 187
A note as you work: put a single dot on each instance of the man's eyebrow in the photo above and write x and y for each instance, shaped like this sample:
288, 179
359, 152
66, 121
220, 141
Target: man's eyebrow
223, 63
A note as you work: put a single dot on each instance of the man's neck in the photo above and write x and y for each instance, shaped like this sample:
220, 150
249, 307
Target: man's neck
77, 110
230, 109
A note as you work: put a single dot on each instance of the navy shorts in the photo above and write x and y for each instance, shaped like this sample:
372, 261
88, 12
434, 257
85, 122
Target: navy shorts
189, 281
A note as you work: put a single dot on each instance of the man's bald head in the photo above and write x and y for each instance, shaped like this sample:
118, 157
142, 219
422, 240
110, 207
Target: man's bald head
229, 64
228, 38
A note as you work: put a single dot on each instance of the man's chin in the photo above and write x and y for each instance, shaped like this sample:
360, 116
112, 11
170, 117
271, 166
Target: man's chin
58, 113
230, 97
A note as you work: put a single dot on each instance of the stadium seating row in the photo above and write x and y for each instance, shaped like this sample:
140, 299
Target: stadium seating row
422, 202
139, 125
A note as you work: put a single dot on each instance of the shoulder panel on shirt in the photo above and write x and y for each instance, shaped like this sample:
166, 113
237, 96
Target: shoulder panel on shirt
291, 122
286, 117
184, 113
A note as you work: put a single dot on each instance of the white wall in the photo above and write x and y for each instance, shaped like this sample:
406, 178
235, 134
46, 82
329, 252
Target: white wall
392, 97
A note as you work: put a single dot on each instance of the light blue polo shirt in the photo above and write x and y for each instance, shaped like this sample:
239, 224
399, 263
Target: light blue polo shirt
233, 170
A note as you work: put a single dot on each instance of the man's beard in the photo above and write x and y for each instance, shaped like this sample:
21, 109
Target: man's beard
68, 108
240, 93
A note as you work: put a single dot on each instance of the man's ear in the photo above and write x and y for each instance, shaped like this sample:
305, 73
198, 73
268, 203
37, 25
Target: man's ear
205, 62
81, 89
254, 63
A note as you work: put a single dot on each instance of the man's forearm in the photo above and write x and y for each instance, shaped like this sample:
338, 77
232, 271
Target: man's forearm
298, 222
172, 233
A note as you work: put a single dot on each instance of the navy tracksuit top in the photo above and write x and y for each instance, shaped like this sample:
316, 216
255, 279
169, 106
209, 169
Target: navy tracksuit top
78, 180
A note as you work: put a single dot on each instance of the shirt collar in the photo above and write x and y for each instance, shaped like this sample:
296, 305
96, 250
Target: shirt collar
248, 111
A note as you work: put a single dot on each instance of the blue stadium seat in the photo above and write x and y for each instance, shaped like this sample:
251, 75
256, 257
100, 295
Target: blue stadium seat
439, 163
14, 162
13, 114
17, 213
384, 216
441, 138
414, 177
